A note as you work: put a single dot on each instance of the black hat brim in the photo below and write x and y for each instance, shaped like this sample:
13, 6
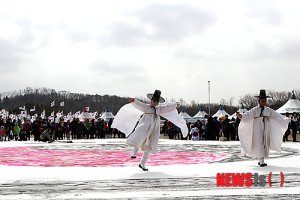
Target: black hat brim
161, 99
262, 97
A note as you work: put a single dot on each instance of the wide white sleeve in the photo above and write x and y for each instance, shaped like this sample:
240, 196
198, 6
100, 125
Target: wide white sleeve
167, 107
245, 130
173, 117
248, 115
126, 119
140, 105
279, 125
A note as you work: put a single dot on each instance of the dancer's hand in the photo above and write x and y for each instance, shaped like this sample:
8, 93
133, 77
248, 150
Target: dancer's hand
131, 100
239, 115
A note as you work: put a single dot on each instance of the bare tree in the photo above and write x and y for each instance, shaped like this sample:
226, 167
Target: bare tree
278, 98
228, 102
248, 100
223, 102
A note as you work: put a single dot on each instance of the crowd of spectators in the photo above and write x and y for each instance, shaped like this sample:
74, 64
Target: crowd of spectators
45, 130
209, 128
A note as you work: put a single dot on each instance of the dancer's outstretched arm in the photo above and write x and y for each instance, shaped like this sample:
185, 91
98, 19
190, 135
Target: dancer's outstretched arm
138, 105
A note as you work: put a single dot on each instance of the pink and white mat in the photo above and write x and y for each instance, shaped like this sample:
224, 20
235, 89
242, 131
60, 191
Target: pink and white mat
59, 157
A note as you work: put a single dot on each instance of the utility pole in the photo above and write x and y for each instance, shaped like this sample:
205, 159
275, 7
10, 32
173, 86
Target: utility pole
209, 98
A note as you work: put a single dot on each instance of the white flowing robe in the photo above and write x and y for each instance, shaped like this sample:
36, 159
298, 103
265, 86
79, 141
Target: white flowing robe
260, 132
147, 132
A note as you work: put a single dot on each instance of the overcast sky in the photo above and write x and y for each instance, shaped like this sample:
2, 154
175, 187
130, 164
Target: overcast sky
132, 47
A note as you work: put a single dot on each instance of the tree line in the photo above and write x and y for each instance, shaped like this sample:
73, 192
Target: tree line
73, 102
41, 98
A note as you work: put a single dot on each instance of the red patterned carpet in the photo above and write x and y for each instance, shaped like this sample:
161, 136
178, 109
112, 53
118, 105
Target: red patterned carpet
36, 156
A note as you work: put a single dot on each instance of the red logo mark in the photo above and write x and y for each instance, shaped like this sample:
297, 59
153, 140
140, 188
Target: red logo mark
245, 180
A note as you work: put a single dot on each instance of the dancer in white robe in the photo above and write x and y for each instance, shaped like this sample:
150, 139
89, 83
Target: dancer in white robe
141, 123
261, 129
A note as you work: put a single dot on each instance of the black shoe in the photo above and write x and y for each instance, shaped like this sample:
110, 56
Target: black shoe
262, 164
143, 168
133, 157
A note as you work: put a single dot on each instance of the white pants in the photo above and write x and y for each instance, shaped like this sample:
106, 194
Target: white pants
144, 157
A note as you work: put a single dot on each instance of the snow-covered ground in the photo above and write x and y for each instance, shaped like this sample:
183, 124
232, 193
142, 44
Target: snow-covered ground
161, 181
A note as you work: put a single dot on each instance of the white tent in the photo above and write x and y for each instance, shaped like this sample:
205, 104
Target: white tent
221, 112
85, 115
185, 116
107, 115
200, 115
291, 106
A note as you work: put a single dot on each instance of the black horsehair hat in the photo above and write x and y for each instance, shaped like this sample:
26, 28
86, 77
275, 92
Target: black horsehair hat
156, 96
262, 95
